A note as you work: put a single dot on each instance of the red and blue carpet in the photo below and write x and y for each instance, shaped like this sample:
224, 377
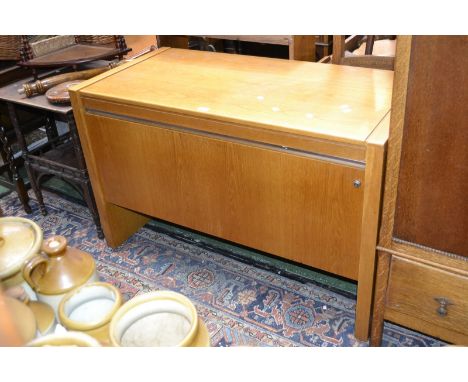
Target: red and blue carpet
241, 304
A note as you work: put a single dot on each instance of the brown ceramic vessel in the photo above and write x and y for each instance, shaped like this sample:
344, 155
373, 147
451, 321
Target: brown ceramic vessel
58, 270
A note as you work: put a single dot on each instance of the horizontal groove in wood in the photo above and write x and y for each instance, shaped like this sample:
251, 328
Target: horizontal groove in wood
454, 265
306, 154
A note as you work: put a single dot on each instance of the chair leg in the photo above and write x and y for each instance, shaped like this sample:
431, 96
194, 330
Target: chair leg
5, 160
91, 203
35, 186
22, 193
7, 155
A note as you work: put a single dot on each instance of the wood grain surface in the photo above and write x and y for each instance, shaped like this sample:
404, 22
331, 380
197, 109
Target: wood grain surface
432, 202
303, 209
424, 215
324, 101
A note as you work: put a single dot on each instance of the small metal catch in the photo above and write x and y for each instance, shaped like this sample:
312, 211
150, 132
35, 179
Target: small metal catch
443, 305
357, 183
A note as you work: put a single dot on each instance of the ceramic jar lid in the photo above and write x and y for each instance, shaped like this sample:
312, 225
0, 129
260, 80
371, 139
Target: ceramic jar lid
20, 239
63, 269
45, 316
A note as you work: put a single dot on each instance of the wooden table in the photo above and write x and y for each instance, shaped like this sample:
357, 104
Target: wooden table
282, 156
63, 156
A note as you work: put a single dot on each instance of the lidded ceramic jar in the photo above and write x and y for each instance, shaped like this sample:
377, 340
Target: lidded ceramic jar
21, 319
58, 270
20, 240
161, 318
89, 309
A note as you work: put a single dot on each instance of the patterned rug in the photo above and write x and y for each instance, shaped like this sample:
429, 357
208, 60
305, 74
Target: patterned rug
241, 304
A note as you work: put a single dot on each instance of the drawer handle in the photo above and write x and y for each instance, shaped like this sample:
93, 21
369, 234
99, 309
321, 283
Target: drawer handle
443, 304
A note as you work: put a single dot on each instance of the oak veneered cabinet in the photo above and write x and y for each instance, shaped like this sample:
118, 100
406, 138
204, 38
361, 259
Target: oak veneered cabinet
422, 274
281, 156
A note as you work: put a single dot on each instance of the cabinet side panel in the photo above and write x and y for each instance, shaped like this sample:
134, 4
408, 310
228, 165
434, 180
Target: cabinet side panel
432, 201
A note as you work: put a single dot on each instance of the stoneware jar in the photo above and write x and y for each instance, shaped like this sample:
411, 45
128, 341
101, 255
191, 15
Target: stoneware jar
20, 240
22, 318
65, 339
89, 309
58, 270
161, 318
43, 313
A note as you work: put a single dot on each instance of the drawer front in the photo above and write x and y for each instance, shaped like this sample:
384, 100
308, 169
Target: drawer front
293, 206
430, 294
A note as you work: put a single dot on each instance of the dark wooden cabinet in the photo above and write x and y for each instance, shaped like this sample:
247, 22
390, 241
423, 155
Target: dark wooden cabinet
422, 271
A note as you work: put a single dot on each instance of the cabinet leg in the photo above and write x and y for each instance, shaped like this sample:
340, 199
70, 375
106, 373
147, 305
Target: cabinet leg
383, 270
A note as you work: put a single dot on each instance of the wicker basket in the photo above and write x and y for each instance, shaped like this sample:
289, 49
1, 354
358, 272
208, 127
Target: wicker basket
51, 44
10, 47
96, 39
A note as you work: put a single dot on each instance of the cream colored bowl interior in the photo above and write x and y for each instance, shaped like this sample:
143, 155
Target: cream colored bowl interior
155, 323
90, 305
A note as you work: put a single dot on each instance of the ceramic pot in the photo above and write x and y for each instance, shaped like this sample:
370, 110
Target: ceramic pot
22, 318
58, 270
89, 309
65, 339
20, 240
161, 318
45, 317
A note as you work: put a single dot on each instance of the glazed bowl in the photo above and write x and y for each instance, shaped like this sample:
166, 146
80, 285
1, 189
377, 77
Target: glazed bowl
20, 240
65, 339
161, 318
89, 309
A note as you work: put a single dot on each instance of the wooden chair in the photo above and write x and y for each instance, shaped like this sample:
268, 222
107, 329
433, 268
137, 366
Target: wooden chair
377, 54
10, 47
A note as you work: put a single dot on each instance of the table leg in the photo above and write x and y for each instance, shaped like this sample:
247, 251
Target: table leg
51, 128
76, 141
13, 171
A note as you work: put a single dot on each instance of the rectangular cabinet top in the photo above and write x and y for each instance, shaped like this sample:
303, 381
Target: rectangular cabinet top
321, 100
